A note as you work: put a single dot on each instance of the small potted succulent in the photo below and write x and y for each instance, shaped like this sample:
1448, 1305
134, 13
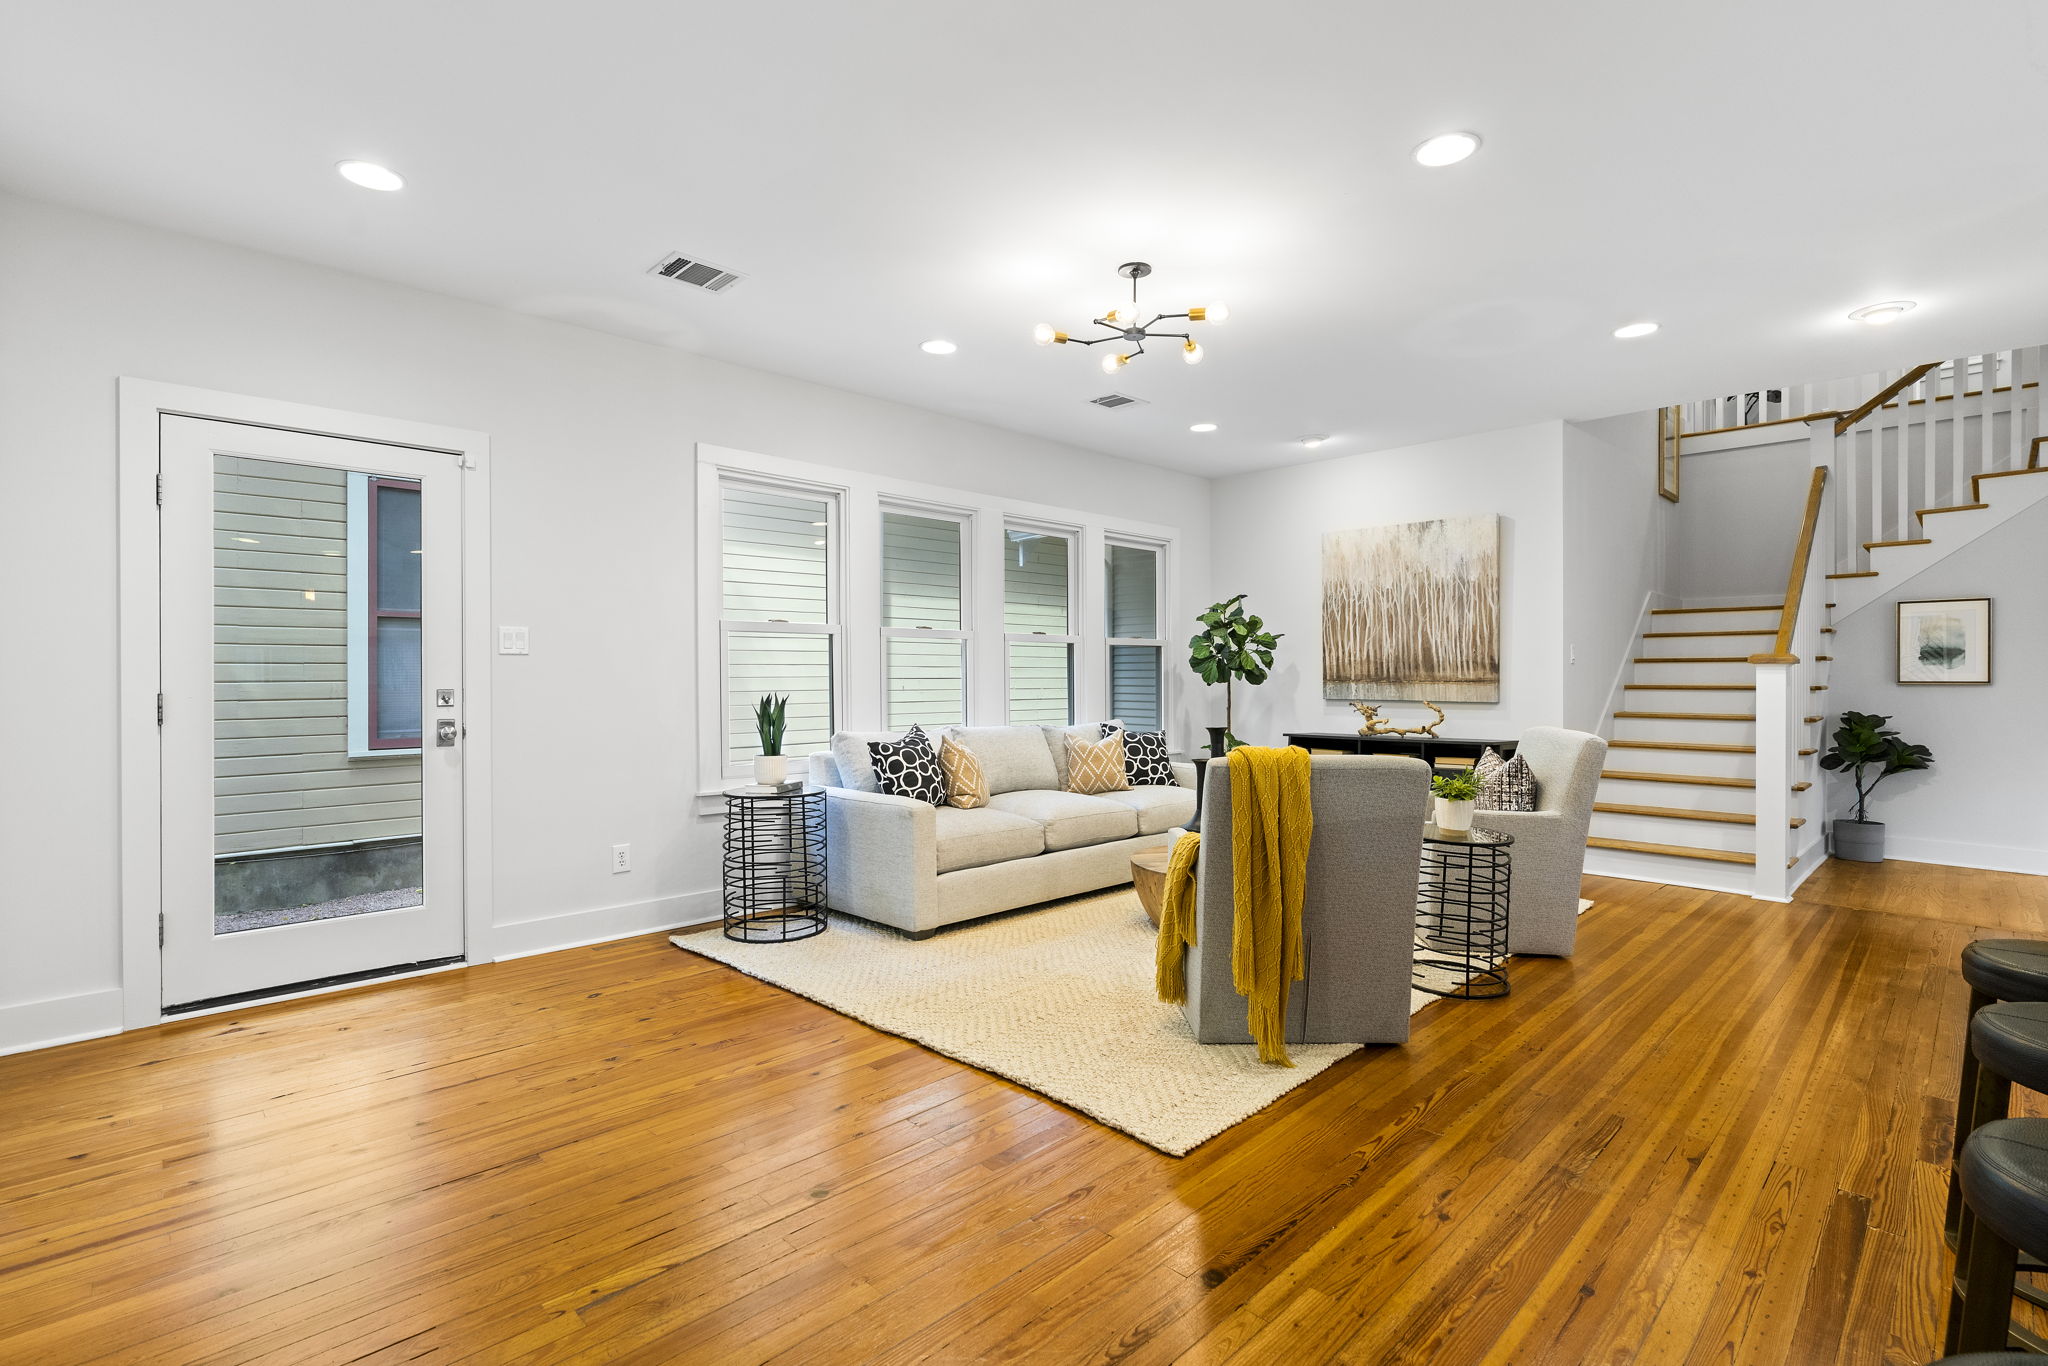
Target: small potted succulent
1456, 794
771, 722
1861, 742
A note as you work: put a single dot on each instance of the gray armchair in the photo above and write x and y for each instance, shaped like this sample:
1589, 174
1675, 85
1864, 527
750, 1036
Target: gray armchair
1548, 858
1358, 913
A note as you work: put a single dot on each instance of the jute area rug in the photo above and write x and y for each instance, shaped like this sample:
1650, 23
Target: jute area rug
1057, 999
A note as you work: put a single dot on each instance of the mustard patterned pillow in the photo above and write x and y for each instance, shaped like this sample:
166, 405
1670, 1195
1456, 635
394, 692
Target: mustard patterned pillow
1096, 765
966, 784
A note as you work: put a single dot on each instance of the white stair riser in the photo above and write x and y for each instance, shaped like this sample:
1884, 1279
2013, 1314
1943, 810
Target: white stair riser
1703, 798
1658, 671
1744, 646
1701, 732
1665, 830
1949, 532
1715, 621
1691, 761
1724, 877
1686, 699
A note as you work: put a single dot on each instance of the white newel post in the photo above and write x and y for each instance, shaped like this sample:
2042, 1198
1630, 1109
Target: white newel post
1774, 758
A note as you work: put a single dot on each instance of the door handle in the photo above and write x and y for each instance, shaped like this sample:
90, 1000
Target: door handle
445, 731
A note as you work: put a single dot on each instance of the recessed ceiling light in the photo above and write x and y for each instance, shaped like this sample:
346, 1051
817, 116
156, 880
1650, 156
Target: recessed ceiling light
370, 175
938, 346
1314, 440
1635, 330
1202, 427
1447, 149
1877, 315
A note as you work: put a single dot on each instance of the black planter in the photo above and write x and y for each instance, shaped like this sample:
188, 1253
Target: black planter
1860, 841
1216, 742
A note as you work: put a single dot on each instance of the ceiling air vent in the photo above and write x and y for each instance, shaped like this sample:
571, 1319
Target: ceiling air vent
688, 270
1115, 401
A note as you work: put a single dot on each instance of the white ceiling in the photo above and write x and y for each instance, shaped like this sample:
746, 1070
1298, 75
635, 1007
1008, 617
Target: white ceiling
890, 171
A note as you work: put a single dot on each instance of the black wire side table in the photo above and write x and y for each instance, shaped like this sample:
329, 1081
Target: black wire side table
774, 864
1462, 912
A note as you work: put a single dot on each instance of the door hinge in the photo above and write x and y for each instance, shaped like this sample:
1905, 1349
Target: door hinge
159, 709
159, 929
159, 488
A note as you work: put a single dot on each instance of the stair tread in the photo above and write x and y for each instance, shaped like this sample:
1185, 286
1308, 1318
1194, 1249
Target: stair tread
1878, 545
1680, 635
1816, 687
1679, 813
1689, 745
1685, 715
1811, 720
1858, 574
1696, 779
1675, 850
1959, 507
1694, 659
1693, 687
1760, 607
1801, 787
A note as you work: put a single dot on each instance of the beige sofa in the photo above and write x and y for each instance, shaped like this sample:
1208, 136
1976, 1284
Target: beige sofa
918, 868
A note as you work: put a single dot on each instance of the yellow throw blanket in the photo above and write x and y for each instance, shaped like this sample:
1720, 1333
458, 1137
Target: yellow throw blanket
1271, 823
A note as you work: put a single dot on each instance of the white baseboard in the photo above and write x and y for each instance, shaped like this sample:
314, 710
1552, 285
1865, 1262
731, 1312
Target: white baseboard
1999, 858
525, 938
63, 1019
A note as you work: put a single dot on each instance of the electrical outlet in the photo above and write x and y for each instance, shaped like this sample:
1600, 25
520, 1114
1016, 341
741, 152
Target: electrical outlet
622, 858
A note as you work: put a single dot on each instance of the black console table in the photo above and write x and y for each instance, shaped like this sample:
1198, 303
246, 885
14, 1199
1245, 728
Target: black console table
1426, 748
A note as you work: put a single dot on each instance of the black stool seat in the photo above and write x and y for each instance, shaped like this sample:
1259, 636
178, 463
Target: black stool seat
2011, 1038
2005, 1180
2009, 969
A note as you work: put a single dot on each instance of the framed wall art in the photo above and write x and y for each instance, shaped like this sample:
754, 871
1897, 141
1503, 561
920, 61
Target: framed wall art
1947, 640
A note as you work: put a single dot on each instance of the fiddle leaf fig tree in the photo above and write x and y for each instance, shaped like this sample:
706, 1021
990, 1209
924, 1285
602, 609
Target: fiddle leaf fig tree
1862, 742
1231, 645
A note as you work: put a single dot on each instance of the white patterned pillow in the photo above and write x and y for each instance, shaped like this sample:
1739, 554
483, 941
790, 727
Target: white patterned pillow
1489, 760
1145, 761
909, 768
1510, 787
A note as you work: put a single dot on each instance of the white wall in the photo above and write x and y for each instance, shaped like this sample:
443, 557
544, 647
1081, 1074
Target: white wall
593, 468
1619, 552
1739, 515
1976, 806
1268, 543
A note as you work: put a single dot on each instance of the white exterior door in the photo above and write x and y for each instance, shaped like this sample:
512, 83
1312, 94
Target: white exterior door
311, 605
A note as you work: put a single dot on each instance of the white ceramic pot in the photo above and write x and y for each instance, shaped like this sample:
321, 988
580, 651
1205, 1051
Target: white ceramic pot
771, 770
1454, 817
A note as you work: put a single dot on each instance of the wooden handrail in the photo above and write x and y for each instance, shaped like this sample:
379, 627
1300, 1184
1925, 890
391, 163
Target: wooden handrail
1883, 396
1795, 582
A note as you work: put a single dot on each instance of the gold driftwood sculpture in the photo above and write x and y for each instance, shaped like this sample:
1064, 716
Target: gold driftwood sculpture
1375, 726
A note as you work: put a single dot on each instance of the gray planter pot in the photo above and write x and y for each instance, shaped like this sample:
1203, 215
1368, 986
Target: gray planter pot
1860, 841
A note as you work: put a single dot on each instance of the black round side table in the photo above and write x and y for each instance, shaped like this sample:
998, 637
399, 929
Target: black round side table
774, 864
1462, 903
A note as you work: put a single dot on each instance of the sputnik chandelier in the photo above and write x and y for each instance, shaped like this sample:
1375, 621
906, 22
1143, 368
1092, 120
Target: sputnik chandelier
1123, 322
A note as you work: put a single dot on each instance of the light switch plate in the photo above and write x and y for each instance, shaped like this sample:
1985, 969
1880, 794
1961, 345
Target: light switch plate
512, 640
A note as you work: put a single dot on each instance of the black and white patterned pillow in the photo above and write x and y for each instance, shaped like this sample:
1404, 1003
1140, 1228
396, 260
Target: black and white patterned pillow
909, 767
1510, 787
1145, 761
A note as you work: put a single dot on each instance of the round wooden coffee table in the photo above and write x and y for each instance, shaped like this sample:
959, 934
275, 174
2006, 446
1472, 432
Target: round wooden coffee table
1148, 877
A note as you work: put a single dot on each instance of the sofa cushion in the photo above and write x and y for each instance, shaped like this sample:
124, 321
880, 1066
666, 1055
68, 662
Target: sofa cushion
856, 765
1096, 766
909, 767
1056, 741
965, 787
1013, 758
1158, 808
1070, 819
1145, 761
971, 838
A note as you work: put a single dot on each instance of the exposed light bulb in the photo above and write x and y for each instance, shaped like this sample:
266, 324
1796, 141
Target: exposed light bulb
1209, 313
1043, 334
370, 175
1192, 352
1114, 362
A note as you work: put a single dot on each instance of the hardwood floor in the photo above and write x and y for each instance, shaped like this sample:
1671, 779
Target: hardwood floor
1718, 1134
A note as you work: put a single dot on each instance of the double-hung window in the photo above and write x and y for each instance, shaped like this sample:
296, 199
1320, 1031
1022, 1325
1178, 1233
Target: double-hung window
1038, 638
1136, 651
779, 613
924, 624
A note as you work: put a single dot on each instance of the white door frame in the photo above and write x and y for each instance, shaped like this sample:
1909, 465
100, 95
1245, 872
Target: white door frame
142, 404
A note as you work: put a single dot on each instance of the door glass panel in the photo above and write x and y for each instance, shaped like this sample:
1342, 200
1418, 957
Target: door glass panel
317, 694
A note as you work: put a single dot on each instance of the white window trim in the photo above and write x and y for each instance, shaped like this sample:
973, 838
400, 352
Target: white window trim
833, 627
964, 519
857, 670
1110, 642
357, 650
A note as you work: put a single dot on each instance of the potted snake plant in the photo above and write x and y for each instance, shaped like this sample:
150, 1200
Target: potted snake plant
771, 723
1456, 795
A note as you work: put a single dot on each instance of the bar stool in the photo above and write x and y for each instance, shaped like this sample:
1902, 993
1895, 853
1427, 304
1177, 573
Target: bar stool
2004, 1173
1997, 970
